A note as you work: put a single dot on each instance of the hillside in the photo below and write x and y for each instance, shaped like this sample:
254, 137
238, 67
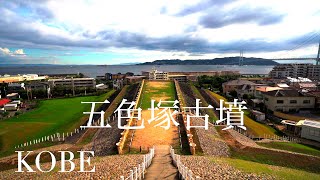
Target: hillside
215, 61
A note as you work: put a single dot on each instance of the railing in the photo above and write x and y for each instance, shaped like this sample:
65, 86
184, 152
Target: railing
56, 137
139, 171
268, 136
184, 172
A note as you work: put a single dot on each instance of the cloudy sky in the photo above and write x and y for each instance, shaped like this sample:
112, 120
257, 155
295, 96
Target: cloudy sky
114, 32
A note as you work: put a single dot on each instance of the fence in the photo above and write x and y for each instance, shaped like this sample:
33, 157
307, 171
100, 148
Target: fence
61, 137
184, 172
269, 137
53, 138
139, 171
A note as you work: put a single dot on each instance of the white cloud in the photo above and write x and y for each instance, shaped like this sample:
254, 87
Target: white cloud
5, 51
8, 52
19, 52
80, 24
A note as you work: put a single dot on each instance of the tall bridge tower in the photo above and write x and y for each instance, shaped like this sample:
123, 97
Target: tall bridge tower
241, 58
318, 60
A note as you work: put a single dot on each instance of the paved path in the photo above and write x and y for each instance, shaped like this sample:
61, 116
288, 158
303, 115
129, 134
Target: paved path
161, 166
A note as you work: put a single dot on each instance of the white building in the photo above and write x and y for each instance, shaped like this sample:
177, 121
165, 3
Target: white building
10, 107
158, 75
73, 82
310, 129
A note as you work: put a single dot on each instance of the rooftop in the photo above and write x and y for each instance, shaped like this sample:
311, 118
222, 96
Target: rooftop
135, 77
299, 79
308, 123
311, 123
239, 82
267, 88
4, 101
69, 79
284, 93
283, 85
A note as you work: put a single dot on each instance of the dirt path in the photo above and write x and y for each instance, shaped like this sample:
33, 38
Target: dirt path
162, 167
150, 135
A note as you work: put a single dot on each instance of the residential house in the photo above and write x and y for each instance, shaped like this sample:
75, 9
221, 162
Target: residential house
287, 100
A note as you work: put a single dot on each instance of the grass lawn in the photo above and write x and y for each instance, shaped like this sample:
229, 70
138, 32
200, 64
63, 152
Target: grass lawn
294, 147
152, 90
254, 128
51, 116
263, 156
276, 171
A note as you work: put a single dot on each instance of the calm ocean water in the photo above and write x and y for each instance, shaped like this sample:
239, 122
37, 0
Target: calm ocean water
95, 70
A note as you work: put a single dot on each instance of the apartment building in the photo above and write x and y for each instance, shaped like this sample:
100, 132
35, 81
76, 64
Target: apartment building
73, 82
155, 75
296, 70
184, 76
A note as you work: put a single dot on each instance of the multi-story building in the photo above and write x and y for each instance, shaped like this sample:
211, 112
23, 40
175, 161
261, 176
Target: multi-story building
184, 76
156, 75
119, 76
179, 78
287, 100
73, 82
296, 70
20, 78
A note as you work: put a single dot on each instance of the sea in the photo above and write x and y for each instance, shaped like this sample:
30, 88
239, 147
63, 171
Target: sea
99, 70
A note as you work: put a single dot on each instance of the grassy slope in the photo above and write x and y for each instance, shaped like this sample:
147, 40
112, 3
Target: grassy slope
299, 162
87, 137
254, 127
294, 147
276, 171
52, 116
198, 95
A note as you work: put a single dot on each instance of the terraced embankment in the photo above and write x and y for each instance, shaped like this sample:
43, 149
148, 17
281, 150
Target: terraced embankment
208, 141
108, 167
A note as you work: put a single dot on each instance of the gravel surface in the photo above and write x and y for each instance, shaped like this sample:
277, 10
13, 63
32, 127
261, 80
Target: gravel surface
210, 141
243, 139
104, 141
109, 167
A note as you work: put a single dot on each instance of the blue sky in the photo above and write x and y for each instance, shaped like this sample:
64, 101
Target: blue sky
123, 31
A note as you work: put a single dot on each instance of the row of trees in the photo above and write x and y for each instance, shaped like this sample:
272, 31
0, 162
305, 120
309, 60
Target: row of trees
58, 91
214, 82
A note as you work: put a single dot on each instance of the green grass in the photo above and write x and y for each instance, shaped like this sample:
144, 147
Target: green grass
264, 156
275, 171
51, 116
149, 93
294, 147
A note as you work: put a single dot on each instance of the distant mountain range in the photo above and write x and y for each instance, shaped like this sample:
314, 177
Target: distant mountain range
215, 61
